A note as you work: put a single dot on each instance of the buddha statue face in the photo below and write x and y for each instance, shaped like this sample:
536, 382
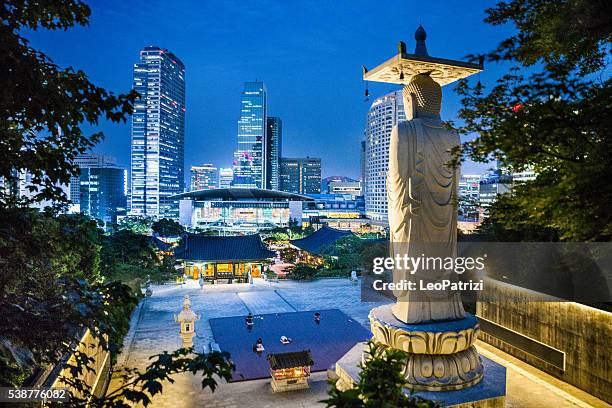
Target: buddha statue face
422, 97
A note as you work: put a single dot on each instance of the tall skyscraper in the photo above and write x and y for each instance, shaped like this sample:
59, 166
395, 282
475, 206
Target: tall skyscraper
85, 161
250, 154
158, 134
362, 162
226, 177
274, 144
103, 193
204, 177
384, 113
300, 175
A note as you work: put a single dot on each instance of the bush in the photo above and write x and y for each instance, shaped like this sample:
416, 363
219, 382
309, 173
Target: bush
381, 384
333, 273
303, 272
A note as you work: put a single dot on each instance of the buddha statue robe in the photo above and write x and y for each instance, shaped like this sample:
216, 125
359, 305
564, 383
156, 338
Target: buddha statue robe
422, 193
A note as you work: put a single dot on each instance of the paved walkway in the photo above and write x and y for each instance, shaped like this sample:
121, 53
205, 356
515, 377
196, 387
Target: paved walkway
153, 331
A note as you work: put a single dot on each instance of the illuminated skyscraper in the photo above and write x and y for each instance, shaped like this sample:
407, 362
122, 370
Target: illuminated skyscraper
158, 134
204, 177
384, 113
274, 140
226, 177
250, 155
300, 175
103, 193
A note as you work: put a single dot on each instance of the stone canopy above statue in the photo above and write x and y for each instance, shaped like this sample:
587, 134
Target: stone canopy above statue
401, 68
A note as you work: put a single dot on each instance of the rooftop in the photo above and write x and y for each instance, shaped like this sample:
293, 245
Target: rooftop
290, 359
319, 239
230, 194
207, 248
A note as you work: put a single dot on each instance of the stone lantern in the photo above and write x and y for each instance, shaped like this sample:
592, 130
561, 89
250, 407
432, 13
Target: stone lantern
187, 318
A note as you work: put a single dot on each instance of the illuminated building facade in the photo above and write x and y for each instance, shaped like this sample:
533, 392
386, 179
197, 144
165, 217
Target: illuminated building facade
341, 211
204, 177
384, 113
226, 177
250, 155
158, 134
239, 210
103, 193
274, 144
300, 175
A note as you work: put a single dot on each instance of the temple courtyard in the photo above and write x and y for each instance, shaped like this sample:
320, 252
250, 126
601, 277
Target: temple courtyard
153, 330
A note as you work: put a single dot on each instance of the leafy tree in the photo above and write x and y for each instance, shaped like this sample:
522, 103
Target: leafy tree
381, 383
167, 228
303, 272
131, 258
50, 269
345, 253
43, 105
138, 225
138, 386
550, 113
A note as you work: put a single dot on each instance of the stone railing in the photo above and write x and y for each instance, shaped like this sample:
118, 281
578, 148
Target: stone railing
568, 340
96, 379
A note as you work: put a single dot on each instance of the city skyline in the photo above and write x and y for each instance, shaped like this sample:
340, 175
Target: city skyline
307, 79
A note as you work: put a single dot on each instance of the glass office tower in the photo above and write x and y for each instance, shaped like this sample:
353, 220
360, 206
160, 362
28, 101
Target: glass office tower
158, 134
300, 175
384, 113
249, 157
102, 193
204, 177
274, 140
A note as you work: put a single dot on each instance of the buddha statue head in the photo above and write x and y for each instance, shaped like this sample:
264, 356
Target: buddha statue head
422, 97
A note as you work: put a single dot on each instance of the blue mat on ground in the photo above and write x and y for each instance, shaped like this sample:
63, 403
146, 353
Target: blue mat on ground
327, 341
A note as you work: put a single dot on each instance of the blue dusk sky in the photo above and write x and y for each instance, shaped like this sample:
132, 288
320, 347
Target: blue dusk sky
308, 53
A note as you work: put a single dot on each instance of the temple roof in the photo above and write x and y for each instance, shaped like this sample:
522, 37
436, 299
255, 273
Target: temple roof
319, 239
208, 248
290, 360
159, 244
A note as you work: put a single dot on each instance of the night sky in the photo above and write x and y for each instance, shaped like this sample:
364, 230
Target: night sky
309, 54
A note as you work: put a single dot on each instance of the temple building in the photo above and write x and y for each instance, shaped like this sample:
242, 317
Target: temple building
228, 259
311, 247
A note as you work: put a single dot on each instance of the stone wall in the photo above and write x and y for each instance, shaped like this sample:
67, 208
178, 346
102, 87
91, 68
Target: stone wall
581, 332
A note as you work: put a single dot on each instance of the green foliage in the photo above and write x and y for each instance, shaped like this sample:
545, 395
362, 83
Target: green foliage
302, 272
333, 273
570, 33
139, 386
131, 258
345, 253
289, 254
554, 121
137, 225
508, 222
167, 228
51, 286
43, 105
381, 383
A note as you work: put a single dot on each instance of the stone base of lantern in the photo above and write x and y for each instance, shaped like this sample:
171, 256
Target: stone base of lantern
289, 384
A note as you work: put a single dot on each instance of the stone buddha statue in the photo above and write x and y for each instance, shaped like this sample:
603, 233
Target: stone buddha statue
421, 195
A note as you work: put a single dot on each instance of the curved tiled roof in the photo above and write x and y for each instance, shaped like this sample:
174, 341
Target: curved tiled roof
319, 239
208, 248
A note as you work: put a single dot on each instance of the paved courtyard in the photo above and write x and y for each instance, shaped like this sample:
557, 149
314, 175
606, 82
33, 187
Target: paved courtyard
153, 330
